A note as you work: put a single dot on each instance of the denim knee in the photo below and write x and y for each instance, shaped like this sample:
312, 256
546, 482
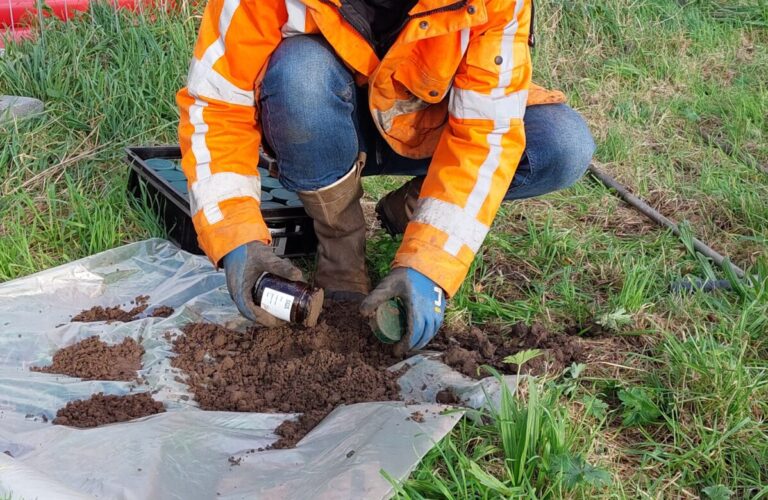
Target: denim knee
559, 148
569, 147
307, 104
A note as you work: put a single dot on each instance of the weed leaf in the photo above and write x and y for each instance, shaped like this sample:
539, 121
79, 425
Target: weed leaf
615, 320
522, 357
638, 407
718, 492
576, 471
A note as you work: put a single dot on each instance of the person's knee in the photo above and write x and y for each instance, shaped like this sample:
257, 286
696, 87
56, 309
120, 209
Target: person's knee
301, 84
569, 147
307, 101
573, 148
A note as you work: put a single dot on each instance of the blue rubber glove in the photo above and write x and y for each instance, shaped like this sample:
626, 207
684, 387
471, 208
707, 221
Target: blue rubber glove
243, 266
424, 303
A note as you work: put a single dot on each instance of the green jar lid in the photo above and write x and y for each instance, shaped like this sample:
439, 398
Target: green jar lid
265, 196
388, 324
172, 175
284, 194
270, 183
263, 172
294, 203
160, 164
180, 186
271, 205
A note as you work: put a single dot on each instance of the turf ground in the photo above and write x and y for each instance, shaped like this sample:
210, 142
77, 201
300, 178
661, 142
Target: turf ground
676, 97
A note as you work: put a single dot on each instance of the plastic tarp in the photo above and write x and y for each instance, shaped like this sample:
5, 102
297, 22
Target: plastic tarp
184, 453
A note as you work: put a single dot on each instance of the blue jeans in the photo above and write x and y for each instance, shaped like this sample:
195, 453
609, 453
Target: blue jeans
316, 122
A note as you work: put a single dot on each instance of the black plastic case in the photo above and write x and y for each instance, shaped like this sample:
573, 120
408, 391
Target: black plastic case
292, 231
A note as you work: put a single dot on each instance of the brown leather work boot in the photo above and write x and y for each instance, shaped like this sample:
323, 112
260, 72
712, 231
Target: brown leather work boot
397, 207
340, 227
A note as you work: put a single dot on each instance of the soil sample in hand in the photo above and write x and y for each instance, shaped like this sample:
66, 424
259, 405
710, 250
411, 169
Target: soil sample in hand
92, 359
100, 410
288, 369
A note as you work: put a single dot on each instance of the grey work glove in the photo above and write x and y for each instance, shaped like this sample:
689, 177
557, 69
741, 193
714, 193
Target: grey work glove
243, 266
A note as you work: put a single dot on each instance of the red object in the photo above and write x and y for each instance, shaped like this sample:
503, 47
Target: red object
14, 34
15, 15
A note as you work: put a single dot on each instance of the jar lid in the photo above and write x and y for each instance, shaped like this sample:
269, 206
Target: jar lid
284, 194
160, 164
388, 324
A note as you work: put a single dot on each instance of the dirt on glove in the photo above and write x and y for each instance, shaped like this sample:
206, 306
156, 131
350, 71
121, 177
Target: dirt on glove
93, 359
100, 410
117, 313
288, 369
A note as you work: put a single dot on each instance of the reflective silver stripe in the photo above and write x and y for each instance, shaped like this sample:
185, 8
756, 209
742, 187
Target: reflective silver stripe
199, 147
206, 193
461, 227
470, 105
461, 224
501, 125
507, 53
297, 18
204, 81
464, 40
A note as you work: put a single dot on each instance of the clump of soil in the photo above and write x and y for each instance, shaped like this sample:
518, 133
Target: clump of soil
100, 410
416, 416
465, 351
288, 369
162, 311
93, 359
117, 313
114, 313
447, 397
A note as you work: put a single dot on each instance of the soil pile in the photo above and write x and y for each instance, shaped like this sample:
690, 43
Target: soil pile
92, 359
466, 351
288, 369
117, 313
100, 410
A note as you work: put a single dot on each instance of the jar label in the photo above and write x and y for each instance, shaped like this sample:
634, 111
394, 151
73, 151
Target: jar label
278, 304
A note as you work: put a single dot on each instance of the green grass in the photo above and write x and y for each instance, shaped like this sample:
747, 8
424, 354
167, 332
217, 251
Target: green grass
676, 97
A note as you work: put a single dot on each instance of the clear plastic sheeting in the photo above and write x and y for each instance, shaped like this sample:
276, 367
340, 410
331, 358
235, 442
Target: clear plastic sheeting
185, 453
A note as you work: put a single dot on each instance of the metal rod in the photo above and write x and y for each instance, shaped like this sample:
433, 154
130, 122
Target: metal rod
659, 219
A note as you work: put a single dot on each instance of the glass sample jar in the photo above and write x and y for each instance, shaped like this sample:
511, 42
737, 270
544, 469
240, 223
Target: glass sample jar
293, 301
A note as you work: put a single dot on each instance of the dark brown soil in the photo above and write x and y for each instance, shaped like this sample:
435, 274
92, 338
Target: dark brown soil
114, 313
92, 359
466, 351
162, 311
447, 397
117, 313
416, 416
100, 410
288, 369
293, 369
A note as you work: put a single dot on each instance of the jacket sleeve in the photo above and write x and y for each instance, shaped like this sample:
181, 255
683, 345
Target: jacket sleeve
478, 152
219, 131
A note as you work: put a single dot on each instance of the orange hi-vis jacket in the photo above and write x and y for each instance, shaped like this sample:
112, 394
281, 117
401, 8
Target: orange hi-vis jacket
453, 86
